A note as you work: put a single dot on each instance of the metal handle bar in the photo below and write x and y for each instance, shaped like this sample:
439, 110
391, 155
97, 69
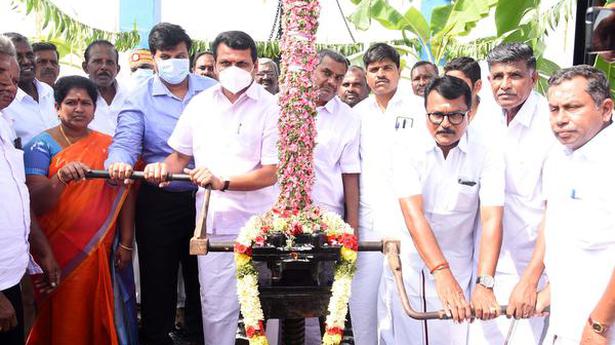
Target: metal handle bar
136, 175
391, 250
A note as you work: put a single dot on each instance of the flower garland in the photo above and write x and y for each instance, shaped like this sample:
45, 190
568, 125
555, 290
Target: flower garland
293, 214
292, 224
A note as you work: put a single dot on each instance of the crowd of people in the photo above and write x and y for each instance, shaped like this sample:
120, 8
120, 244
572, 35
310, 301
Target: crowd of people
505, 199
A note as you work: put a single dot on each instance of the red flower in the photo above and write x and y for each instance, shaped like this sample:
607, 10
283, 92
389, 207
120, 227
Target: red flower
259, 240
240, 248
297, 229
265, 229
349, 241
335, 330
332, 238
252, 332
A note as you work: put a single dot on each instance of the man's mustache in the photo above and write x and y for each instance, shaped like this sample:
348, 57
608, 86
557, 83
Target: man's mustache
445, 131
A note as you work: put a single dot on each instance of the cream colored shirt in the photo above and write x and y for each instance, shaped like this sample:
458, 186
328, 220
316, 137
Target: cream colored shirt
230, 139
579, 231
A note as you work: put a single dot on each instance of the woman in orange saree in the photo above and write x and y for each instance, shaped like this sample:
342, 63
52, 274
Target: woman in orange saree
79, 218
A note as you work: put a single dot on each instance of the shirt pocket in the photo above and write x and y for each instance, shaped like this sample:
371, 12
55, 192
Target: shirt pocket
594, 219
246, 142
465, 198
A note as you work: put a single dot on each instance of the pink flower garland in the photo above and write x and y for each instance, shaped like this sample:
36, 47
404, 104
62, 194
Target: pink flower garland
297, 126
293, 214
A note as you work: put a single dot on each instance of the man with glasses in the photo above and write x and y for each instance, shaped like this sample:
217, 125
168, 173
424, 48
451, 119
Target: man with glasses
444, 183
522, 129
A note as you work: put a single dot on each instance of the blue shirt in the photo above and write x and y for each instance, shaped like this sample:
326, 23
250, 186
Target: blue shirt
147, 120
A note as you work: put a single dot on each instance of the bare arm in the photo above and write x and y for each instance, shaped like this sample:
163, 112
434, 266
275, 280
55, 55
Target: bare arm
522, 301
491, 239
604, 313
262, 177
45, 191
126, 222
448, 289
351, 200
41, 250
483, 299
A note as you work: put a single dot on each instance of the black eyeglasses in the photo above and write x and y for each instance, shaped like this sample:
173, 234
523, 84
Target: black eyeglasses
454, 117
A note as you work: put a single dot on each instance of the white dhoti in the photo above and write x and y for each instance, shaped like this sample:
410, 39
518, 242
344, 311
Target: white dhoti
421, 290
495, 332
364, 298
219, 301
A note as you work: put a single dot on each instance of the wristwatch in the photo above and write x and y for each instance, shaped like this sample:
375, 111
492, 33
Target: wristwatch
226, 184
486, 281
597, 327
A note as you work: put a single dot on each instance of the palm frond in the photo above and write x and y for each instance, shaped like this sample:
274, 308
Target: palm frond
58, 24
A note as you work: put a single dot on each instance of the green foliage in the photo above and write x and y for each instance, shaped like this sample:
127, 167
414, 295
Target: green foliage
518, 20
62, 27
271, 49
609, 70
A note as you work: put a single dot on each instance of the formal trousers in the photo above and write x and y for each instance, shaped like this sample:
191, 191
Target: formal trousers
164, 224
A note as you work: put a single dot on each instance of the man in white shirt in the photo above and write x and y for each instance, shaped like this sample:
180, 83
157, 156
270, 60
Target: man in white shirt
354, 87
578, 242
385, 115
443, 185
16, 231
336, 155
100, 63
231, 131
483, 119
522, 129
33, 109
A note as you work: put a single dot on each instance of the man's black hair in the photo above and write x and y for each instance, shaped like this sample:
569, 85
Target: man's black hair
451, 88
165, 36
512, 52
42, 46
237, 40
380, 51
424, 63
104, 43
466, 65
197, 55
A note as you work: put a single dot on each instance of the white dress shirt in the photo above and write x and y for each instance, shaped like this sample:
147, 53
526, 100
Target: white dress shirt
105, 117
230, 139
14, 211
579, 231
451, 188
526, 141
336, 153
30, 117
404, 117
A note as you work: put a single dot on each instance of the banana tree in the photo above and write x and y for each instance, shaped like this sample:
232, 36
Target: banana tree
519, 20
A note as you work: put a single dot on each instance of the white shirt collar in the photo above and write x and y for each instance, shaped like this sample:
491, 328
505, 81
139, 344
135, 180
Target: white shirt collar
597, 148
525, 115
43, 90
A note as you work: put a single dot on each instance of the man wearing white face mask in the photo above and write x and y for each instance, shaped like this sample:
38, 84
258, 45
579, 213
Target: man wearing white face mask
164, 217
231, 132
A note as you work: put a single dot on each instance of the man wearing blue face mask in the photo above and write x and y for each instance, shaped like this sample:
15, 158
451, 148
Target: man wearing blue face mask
231, 132
164, 217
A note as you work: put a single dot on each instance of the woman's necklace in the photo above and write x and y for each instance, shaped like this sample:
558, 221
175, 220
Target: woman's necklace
66, 137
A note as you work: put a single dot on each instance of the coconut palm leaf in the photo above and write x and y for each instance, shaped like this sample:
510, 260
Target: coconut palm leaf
60, 25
